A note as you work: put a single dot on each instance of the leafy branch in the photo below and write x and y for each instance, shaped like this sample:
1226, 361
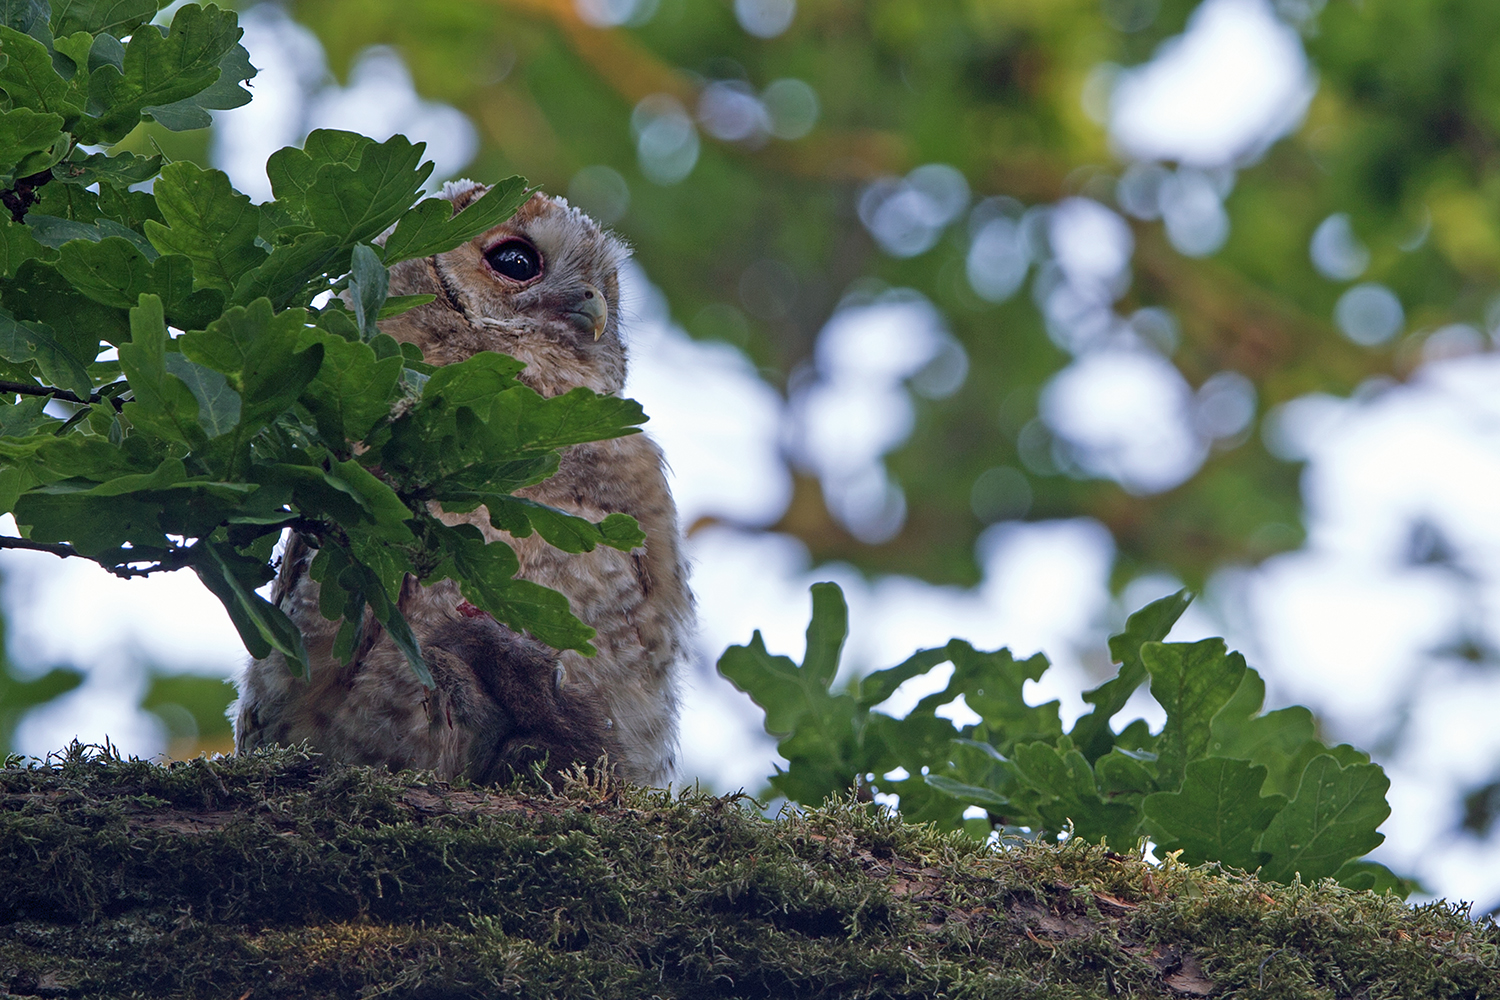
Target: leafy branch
1221, 782
233, 408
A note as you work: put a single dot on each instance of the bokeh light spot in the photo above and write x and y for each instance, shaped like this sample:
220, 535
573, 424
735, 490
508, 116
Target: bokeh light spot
614, 13
793, 107
666, 142
1369, 314
1001, 493
601, 192
765, 18
1336, 252
1225, 405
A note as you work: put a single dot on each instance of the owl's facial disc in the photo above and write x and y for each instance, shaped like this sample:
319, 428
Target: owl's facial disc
587, 310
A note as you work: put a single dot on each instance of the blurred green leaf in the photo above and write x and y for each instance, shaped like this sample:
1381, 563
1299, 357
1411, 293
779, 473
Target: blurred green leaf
20, 694
190, 706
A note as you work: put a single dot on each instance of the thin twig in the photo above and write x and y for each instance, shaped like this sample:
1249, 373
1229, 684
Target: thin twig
175, 558
32, 389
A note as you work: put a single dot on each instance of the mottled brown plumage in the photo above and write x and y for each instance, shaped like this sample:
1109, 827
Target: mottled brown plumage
503, 700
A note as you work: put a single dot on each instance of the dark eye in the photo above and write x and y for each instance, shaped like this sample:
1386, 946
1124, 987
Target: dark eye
515, 259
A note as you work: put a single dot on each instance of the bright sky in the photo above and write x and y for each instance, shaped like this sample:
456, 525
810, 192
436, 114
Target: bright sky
1348, 625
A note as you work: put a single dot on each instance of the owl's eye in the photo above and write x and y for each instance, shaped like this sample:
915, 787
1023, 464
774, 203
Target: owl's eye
516, 259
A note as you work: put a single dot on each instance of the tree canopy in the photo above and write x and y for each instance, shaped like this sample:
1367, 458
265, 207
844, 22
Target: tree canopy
760, 239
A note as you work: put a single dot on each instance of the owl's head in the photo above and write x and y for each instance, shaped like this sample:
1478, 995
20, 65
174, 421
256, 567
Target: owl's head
543, 286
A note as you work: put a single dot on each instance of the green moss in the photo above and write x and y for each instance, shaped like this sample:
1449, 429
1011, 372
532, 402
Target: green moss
281, 876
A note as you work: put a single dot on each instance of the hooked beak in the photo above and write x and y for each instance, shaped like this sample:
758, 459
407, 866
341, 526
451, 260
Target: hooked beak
589, 312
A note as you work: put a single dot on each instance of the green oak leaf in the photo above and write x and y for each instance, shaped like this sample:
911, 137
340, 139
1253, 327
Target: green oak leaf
117, 17
28, 78
262, 626
369, 285
1284, 740
160, 69
292, 171
40, 293
384, 511
162, 403
1122, 772
971, 794
432, 227
28, 340
474, 381
122, 169
264, 353
287, 271
786, 691
20, 418
1332, 818
878, 685
395, 305
223, 94
485, 571
1218, 814
524, 418
24, 15
1372, 876
991, 685
218, 404
17, 245
1091, 733
1192, 681
75, 49
24, 131
208, 222
357, 204
112, 271
1070, 794
352, 390
564, 531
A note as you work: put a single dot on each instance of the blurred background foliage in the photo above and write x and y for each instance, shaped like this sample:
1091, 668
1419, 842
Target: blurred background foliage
759, 242
920, 144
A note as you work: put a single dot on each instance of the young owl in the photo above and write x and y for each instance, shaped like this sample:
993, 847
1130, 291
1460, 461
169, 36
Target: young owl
543, 288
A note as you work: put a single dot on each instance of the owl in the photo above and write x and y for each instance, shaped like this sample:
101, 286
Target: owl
544, 287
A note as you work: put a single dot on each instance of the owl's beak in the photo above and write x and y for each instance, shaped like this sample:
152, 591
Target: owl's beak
589, 312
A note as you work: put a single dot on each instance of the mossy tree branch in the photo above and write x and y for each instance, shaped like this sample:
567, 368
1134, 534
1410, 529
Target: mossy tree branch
282, 876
